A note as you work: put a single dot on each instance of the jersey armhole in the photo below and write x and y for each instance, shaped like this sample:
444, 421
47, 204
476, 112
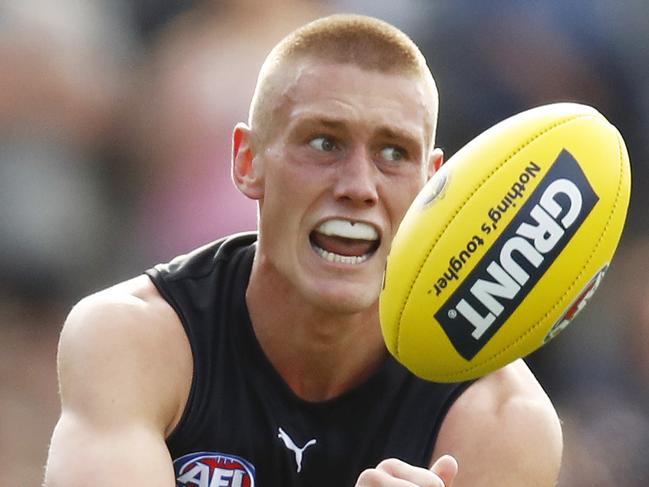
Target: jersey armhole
160, 284
452, 396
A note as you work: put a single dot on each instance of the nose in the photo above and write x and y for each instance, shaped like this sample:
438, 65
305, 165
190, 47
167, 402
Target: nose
356, 180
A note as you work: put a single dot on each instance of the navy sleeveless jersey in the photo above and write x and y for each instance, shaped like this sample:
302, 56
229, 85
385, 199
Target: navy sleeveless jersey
244, 427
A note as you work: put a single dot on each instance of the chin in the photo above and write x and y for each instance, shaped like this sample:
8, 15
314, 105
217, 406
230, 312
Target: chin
346, 298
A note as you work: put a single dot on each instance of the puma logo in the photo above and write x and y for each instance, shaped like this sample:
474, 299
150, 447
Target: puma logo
294, 448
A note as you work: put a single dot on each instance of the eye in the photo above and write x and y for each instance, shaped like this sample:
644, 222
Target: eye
393, 154
322, 143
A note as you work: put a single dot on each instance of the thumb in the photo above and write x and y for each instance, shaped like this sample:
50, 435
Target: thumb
446, 469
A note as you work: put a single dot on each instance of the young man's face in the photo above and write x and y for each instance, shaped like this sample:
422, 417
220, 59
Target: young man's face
346, 158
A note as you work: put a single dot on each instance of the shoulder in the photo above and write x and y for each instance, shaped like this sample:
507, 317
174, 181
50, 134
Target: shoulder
125, 346
504, 430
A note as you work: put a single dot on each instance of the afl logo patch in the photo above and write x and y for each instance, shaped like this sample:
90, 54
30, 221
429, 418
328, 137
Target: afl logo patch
211, 469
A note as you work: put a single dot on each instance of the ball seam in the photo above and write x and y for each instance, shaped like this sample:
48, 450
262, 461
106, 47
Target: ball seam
572, 285
463, 204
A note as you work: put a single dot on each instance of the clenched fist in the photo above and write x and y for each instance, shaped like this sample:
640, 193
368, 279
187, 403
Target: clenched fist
395, 473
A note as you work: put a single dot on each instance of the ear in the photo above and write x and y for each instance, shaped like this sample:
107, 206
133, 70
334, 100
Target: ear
435, 162
246, 173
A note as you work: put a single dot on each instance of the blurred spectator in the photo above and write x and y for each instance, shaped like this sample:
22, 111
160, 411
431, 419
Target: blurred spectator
152, 15
494, 59
606, 439
199, 83
61, 77
60, 86
29, 404
600, 378
632, 273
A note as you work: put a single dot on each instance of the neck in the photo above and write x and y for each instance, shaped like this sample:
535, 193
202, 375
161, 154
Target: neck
320, 354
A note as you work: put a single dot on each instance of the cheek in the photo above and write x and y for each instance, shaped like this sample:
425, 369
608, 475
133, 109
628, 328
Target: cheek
404, 196
290, 191
294, 182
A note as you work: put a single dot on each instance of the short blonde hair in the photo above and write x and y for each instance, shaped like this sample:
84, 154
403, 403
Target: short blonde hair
366, 42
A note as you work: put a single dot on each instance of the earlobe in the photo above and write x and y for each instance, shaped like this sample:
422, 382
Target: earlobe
435, 162
245, 172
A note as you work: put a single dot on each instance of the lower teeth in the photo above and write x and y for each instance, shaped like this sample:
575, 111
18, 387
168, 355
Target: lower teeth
341, 259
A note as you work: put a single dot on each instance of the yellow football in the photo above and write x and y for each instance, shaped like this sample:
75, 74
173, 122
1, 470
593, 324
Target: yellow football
505, 243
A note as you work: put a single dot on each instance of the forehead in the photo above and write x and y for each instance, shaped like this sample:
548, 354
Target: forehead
352, 94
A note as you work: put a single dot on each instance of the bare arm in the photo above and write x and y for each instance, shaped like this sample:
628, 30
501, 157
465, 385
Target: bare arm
503, 431
123, 373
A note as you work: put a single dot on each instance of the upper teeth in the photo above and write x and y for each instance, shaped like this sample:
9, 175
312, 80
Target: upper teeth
348, 229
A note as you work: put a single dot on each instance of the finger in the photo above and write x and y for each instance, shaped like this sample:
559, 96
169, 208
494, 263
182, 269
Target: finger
373, 477
421, 477
446, 468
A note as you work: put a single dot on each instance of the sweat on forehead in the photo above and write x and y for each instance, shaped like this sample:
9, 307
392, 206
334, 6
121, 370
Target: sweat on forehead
366, 42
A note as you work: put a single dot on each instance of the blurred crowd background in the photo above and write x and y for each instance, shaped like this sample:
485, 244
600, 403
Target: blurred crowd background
115, 125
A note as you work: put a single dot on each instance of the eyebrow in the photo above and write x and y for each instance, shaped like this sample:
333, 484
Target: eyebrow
397, 134
389, 132
326, 122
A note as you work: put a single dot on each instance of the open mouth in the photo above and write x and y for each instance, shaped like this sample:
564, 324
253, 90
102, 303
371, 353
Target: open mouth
345, 241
